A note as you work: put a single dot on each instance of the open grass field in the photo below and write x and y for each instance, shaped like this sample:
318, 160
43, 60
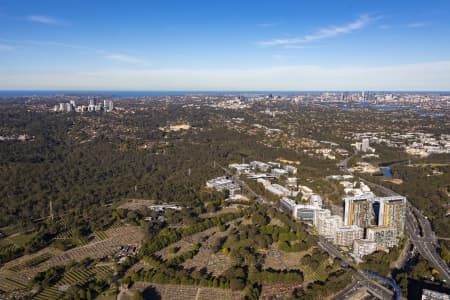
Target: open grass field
285, 260
135, 204
225, 210
17, 239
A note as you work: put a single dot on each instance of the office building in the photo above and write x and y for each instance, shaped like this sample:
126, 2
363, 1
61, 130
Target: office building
110, 105
433, 295
223, 184
392, 213
327, 226
258, 165
292, 182
278, 190
315, 200
386, 237
319, 215
279, 172
359, 211
364, 247
305, 212
69, 107
365, 145
287, 204
345, 235
291, 169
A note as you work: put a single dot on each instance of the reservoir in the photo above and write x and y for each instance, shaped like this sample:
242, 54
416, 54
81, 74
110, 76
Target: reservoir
386, 171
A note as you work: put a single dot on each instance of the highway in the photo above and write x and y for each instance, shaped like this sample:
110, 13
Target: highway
418, 227
376, 288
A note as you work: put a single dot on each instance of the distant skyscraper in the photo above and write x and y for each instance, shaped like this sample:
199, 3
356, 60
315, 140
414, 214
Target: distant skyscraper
365, 145
111, 105
68, 107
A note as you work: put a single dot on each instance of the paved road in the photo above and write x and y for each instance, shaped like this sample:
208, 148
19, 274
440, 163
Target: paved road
376, 288
418, 227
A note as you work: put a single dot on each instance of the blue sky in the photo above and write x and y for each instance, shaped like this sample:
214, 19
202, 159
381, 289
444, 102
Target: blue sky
225, 45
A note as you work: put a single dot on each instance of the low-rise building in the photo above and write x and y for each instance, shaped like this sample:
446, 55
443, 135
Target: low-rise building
287, 204
279, 172
364, 247
222, 184
433, 295
305, 212
163, 207
278, 190
292, 182
298, 211
290, 169
259, 165
315, 200
240, 168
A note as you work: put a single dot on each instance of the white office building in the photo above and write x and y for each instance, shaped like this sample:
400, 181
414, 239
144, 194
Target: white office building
222, 184
278, 190
319, 215
433, 295
315, 200
291, 169
279, 172
364, 247
327, 226
345, 235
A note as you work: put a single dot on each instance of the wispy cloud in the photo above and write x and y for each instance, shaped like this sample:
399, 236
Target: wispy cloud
4, 47
267, 25
113, 56
323, 33
45, 20
384, 26
123, 58
295, 46
417, 25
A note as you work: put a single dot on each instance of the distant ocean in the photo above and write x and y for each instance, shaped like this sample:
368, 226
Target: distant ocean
126, 94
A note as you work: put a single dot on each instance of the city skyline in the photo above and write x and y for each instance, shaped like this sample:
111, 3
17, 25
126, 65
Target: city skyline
224, 46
